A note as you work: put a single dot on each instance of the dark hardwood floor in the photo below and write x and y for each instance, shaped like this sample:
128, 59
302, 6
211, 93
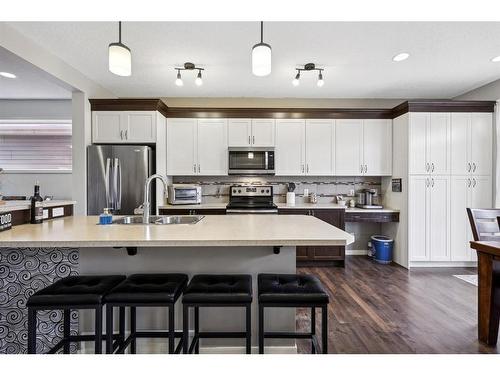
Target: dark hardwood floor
387, 309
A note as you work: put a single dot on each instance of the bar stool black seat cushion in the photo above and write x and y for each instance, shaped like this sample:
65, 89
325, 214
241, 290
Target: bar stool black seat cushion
149, 288
219, 289
76, 290
291, 288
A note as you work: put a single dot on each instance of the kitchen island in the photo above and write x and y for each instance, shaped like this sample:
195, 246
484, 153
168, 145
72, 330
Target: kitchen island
249, 244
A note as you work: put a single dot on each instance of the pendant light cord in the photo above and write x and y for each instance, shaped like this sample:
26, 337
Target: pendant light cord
119, 32
261, 31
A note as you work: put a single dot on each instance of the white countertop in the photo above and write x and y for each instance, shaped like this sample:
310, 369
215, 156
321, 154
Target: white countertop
24, 205
212, 230
298, 206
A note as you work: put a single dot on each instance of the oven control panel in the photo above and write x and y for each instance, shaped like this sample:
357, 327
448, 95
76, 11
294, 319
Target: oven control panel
251, 191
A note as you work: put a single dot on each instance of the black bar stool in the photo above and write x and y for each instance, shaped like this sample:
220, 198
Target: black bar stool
72, 292
149, 290
216, 291
290, 290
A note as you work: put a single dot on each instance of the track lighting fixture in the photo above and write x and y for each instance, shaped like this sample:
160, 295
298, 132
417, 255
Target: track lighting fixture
119, 56
261, 56
307, 68
189, 66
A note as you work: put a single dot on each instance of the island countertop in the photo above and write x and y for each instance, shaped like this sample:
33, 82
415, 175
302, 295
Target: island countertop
212, 230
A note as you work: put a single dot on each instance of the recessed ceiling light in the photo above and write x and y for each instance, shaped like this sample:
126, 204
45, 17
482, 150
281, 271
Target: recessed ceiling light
496, 59
7, 75
401, 56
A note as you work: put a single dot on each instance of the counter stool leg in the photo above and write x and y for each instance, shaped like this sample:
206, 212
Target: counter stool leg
249, 328
31, 331
121, 324
133, 322
197, 329
66, 332
324, 328
171, 330
109, 329
185, 328
261, 329
98, 329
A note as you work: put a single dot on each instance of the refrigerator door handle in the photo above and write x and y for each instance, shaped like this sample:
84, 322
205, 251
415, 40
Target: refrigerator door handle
106, 182
115, 184
119, 185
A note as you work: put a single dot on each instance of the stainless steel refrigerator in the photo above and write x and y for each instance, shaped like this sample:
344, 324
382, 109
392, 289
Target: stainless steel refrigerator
116, 176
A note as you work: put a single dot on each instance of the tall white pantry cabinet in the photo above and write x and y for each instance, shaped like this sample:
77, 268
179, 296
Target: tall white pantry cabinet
446, 160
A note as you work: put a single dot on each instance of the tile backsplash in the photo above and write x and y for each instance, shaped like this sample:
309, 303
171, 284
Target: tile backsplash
216, 189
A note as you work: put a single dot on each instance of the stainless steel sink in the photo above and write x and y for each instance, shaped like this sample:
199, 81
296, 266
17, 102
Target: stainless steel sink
160, 220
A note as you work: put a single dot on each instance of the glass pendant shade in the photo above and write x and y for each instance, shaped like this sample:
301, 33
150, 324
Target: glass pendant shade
120, 59
261, 59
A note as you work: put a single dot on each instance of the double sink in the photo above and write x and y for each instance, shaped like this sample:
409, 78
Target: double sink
159, 220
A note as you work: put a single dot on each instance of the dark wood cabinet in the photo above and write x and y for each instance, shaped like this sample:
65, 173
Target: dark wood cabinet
320, 255
197, 211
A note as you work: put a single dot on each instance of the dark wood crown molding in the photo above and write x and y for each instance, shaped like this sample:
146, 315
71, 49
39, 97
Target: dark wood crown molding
129, 104
442, 105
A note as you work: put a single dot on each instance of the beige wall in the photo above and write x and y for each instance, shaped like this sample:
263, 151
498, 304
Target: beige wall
282, 102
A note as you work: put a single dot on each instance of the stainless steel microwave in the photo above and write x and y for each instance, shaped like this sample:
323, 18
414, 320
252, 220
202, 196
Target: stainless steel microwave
251, 160
184, 194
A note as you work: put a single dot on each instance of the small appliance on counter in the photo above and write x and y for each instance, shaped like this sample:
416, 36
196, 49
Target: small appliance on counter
184, 194
290, 195
250, 199
368, 199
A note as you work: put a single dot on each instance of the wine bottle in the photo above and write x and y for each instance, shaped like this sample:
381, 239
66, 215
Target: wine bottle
36, 206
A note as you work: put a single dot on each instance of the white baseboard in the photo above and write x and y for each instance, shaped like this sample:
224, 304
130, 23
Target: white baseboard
356, 252
442, 264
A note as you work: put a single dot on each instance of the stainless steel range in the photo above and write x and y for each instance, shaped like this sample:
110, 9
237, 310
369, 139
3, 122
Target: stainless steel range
249, 199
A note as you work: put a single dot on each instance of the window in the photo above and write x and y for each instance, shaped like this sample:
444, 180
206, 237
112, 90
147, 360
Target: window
35, 145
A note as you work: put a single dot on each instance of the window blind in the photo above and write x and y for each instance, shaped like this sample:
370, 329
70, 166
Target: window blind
35, 145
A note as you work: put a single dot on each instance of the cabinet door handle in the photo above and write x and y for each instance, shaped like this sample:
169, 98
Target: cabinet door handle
432, 167
121, 134
427, 167
426, 182
126, 134
199, 168
468, 167
473, 182
249, 141
194, 168
432, 182
307, 168
302, 168
366, 168
361, 168
473, 167
468, 182
253, 139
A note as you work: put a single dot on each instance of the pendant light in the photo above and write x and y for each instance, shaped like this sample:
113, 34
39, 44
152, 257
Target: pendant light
261, 56
120, 58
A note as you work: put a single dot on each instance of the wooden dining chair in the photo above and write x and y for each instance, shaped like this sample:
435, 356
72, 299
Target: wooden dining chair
484, 224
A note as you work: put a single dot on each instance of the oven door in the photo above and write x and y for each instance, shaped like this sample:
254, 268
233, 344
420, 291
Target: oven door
251, 161
185, 195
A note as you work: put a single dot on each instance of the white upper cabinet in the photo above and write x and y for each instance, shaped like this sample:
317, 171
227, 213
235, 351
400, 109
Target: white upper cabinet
377, 147
319, 147
263, 132
429, 143
239, 132
349, 147
251, 133
182, 158
481, 141
212, 147
471, 143
363, 147
290, 148
124, 126
196, 147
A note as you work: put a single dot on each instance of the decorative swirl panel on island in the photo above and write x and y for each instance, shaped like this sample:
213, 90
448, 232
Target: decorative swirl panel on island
23, 271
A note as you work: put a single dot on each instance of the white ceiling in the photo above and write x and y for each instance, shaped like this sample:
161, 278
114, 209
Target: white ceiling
447, 59
31, 82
